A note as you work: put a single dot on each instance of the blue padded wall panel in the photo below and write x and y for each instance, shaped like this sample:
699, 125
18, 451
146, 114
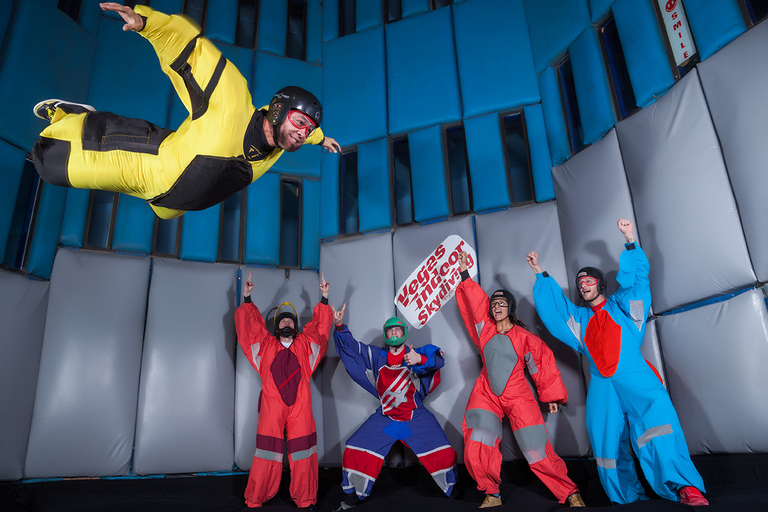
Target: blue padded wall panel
45, 238
12, 162
221, 21
62, 55
734, 83
644, 49
541, 162
503, 241
423, 68
75, 212
593, 92
487, 164
314, 37
330, 20
273, 26
134, 225
414, 7
677, 176
125, 68
310, 224
90, 16
720, 352
186, 399
271, 289
373, 190
23, 304
410, 247
354, 76
362, 275
596, 173
6, 9
200, 235
262, 223
554, 117
330, 204
428, 183
714, 24
84, 416
553, 26
599, 9
368, 14
492, 80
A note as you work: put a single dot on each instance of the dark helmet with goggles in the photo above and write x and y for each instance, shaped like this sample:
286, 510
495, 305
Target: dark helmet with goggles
286, 332
394, 340
506, 295
595, 273
294, 98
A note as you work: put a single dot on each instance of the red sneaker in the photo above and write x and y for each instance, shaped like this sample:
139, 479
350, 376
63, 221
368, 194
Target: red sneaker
691, 496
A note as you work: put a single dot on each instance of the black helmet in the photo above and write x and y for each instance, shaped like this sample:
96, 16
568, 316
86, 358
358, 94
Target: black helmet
286, 332
592, 272
504, 294
294, 98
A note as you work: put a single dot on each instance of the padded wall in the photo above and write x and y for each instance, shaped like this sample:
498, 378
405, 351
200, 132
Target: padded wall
411, 246
75, 212
503, 241
361, 275
62, 55
85, 405
270, 290
541, 162
428, 175
221, 23
262, 240
487, 162
644, 50
186, 399
689, 221
23, 304
553, 25
310, 224
714, 24
715, 359
734, 85
368, 14
494, 80
134, 225
200, 235
593, 92
330, 191
273, 26
421, 68
592, 194
12, 161
48, 219
354, 76
373, 191
554, 118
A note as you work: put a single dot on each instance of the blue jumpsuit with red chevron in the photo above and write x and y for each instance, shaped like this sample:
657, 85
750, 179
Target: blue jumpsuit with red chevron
400, 417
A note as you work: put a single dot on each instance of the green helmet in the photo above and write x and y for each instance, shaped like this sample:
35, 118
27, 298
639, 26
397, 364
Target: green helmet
395, 322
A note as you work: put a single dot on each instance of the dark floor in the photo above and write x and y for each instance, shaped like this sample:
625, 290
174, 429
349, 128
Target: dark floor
734, 483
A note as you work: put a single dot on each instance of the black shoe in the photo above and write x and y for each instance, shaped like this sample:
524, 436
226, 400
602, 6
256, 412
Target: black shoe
46, 108
311, 506
349, 501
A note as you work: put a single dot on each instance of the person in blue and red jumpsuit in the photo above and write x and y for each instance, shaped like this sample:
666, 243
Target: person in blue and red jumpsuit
626, 401
285, 361
401, 378
502, 389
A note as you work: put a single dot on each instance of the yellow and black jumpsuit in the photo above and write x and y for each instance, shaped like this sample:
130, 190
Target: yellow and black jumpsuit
217, 151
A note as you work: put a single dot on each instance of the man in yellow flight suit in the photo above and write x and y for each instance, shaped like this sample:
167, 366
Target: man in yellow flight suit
224, 145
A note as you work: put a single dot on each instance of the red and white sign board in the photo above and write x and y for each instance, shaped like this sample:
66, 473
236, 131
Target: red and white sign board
678, 30
434, 282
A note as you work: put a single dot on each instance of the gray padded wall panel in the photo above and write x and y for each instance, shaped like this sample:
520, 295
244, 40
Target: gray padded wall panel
503, 241
411, 246
592, 194
85, 407
689, 224
734, 83
715, 358
23, 304
186, 396
360, 272
271, 288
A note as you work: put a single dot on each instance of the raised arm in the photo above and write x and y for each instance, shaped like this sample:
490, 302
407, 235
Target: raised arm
250, 326
561, 317
359, 359
472, 301
317, 330
633, 277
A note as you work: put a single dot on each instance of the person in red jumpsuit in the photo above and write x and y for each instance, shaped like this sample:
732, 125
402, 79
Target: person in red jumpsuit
285, 361
501, 389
